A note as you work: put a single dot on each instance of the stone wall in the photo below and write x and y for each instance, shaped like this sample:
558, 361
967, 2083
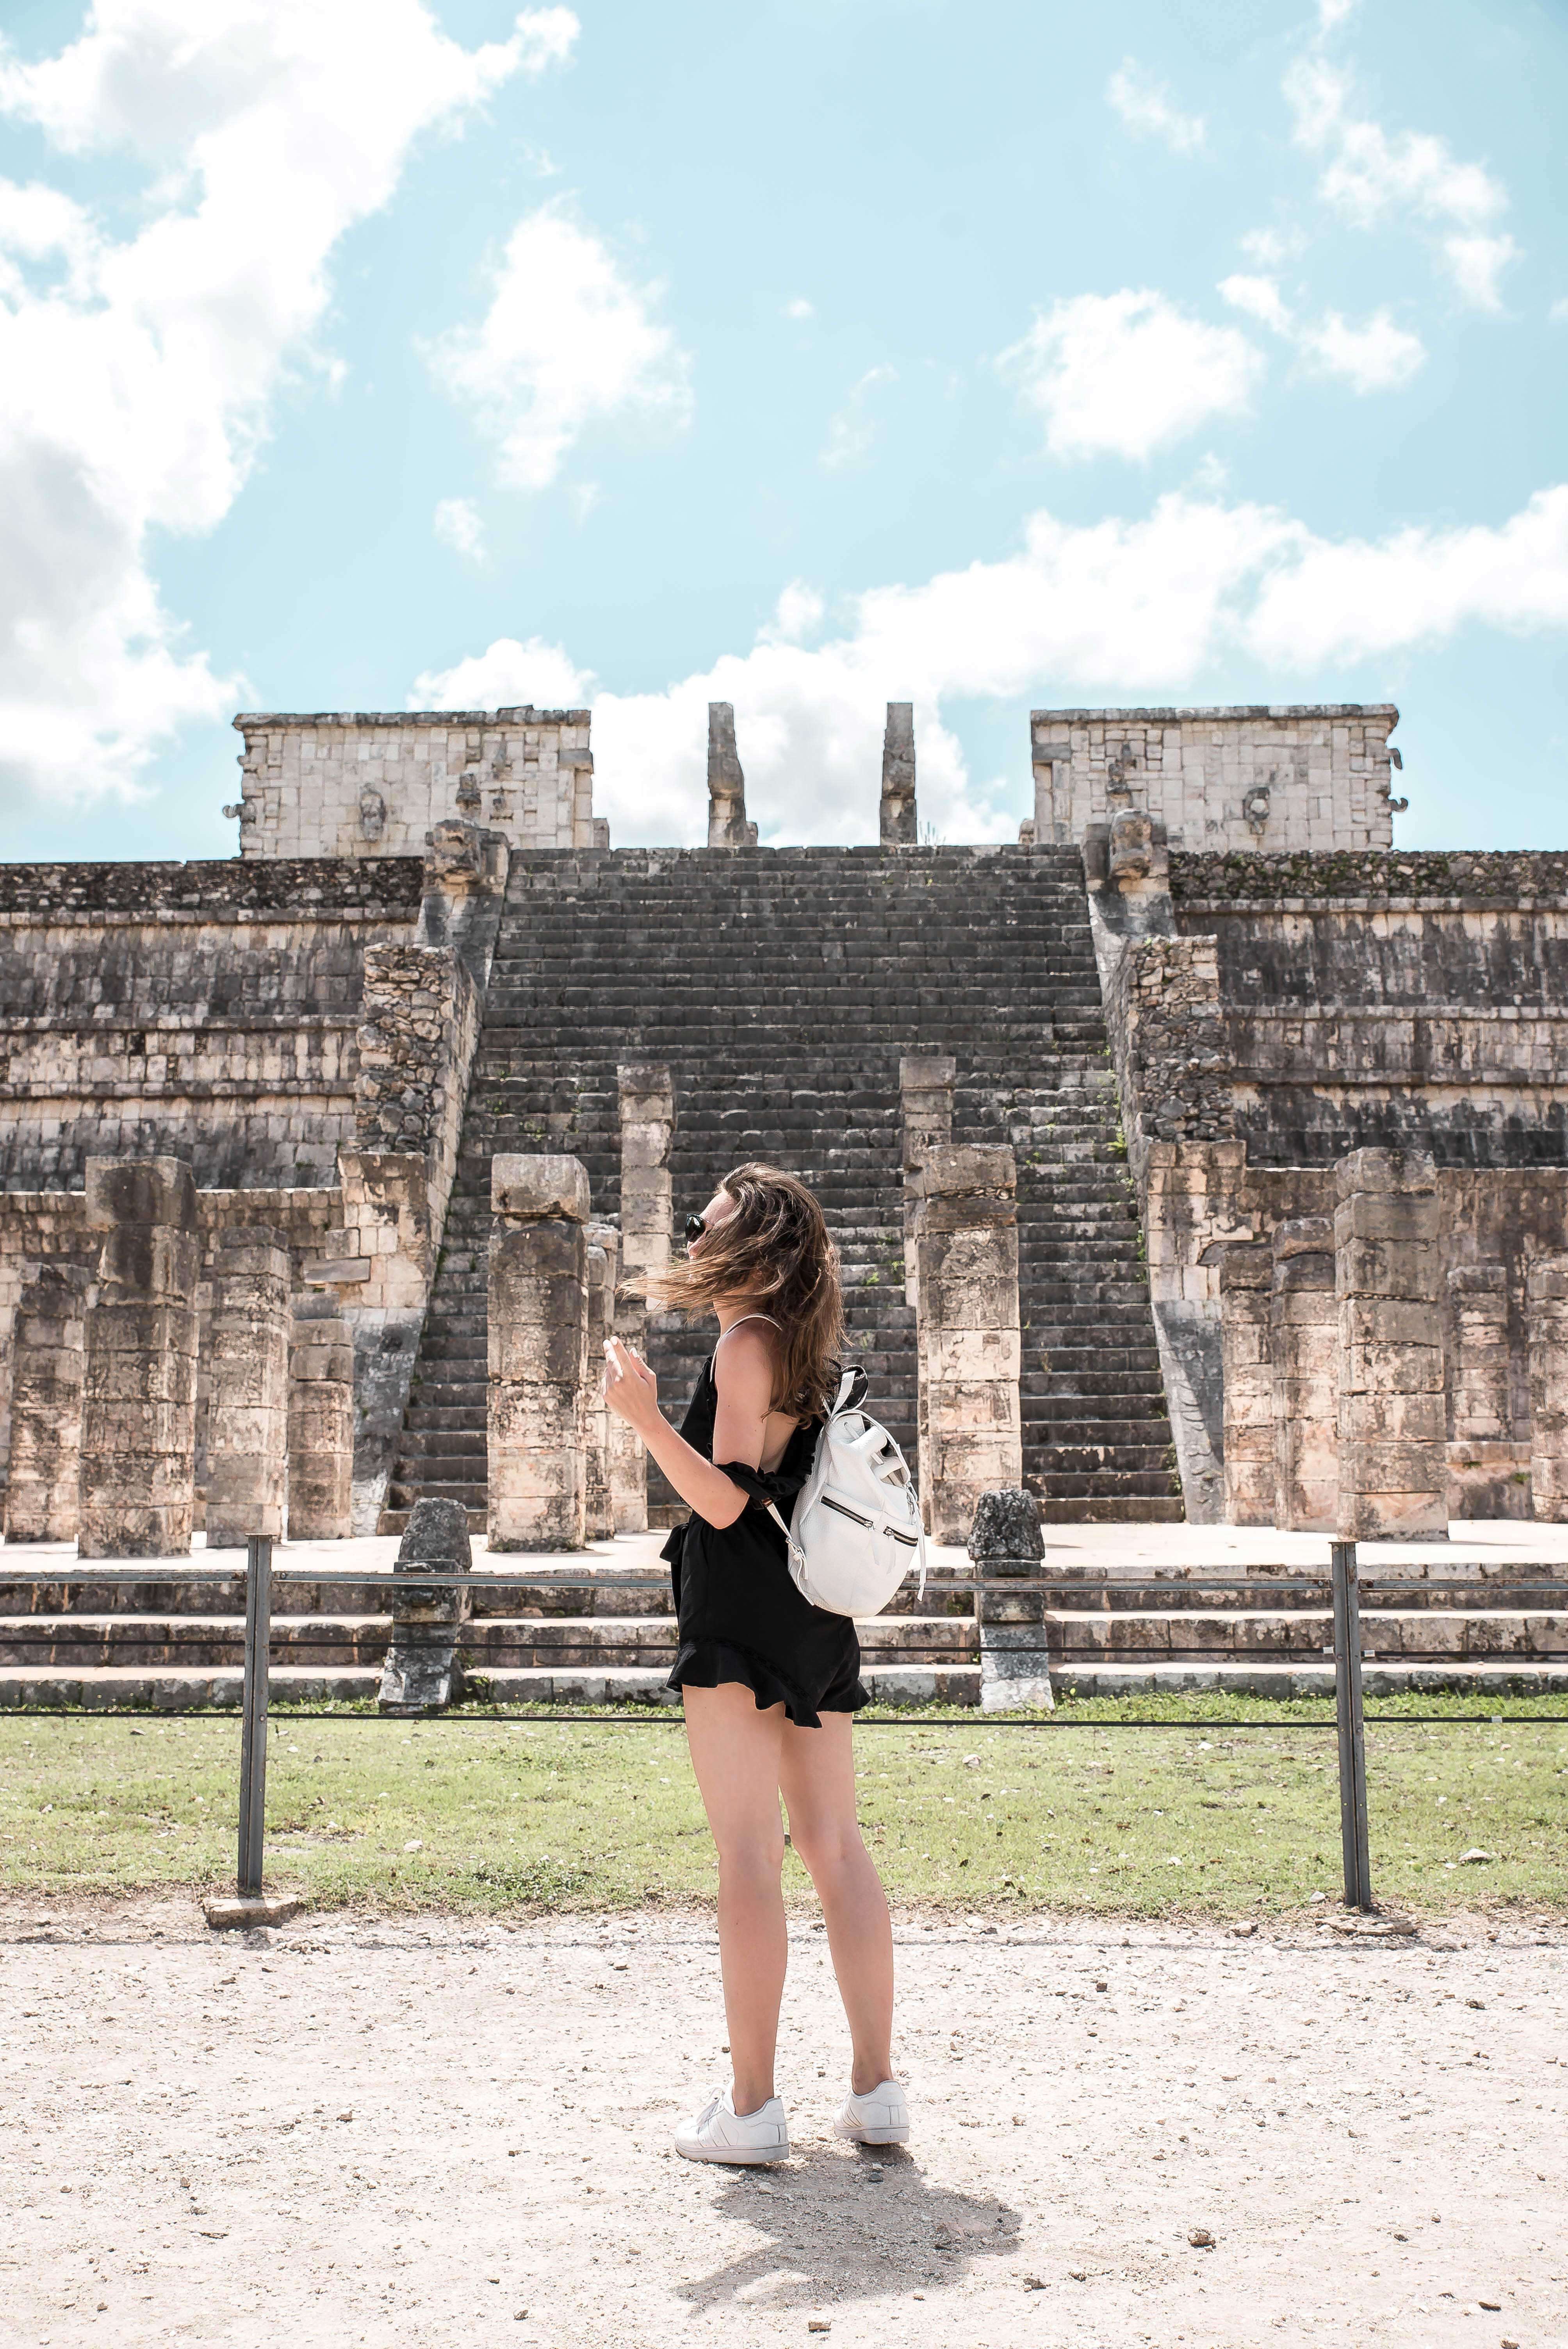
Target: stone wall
374, 783
1287, 777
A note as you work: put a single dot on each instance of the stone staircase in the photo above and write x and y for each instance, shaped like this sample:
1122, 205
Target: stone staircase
783, 986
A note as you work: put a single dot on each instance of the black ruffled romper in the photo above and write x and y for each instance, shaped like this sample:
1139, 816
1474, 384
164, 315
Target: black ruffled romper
739, 1614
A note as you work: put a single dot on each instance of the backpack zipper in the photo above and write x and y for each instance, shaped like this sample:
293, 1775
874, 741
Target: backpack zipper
844, 1510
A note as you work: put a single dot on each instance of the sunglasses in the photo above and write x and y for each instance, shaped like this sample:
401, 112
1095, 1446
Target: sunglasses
694, 1228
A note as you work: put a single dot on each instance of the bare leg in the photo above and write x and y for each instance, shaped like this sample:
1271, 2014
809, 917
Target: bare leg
735, 1753
817, 1777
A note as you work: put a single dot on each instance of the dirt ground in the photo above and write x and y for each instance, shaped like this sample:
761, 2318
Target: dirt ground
388, 2131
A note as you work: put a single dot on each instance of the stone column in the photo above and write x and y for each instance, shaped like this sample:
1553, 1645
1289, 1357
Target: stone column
1246, 1279
1303, 1331
726, 824
628, 1459
603, 1254
925, 1082
136, 1486
647, 1125
1007, 1551
47, 1370
1547, 1305
1488, 1471
421, 1672
900, 825
1393, 1451
321, 1425
248, 1388
967, 1333
538, 1353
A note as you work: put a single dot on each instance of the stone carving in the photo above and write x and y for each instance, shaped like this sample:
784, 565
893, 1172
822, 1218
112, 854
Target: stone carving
421, 1673
1303, 1331
1005, 1543
1393, 1462
321, 1425
1548, 1299
925, 1082
1489, 1471
628, 1457
726, 824
247, 1368
968, 1338
647, 1127
1246, 1277
538, 1353
137, 1488
900, 821
604, 1252
46, 1370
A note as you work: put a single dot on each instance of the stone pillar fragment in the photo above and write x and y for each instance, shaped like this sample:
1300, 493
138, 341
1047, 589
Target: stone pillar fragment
248, 1388
925, 1082
603, 1255
421, 1673
538, 1346
1489, 1472
900, 824
1547, 1309
1246, 1279
1393, 1451
647, 1126
726, 824
1304, 1332
321, 1425
137, 1481
1008, 1553
967, 1334
48, 1363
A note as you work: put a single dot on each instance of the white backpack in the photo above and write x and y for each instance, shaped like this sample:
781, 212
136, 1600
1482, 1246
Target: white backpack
856, 1520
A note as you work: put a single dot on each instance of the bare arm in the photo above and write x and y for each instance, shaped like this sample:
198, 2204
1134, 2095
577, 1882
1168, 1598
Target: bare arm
743, 1373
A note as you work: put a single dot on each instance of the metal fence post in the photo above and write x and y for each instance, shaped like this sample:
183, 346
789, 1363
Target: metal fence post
254, 1728
1352, 1742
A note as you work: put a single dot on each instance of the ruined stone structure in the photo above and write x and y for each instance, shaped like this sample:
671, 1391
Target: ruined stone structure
900, 821
320, 1424
47, 1362
726, 824
538, 1338
247, 1360
967, 1346
137, 1486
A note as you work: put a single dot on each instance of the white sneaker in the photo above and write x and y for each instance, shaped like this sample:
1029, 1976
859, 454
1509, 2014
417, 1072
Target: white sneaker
879, 2117
719, 2133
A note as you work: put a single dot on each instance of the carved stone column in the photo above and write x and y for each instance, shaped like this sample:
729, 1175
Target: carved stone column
967, 1332
248, 1388
1246, 1279
925, 1082
726, 824
421, 1672
1547, 1306
647, 1126
628, 1459
137, 1486
1393, 1450
321, 1425
47, 1361
1008, 1553
1488, 1473
1303, 1329
603, 1255
538, 1353
899, 823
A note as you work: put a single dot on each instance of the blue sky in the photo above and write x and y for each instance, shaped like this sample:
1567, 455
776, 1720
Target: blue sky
359, 354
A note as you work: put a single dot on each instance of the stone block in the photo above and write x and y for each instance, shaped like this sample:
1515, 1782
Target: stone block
141, 1191
421, 1672
1409, 1220
149, 1262
320, 1431
1369, 1270
1006, 1525
531, 1189
1546, 1310
47, 1370
1412, 1172
539, 1411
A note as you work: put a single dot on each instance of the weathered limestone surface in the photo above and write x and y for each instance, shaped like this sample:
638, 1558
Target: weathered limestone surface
647, 1130
321, 1425
47, 1367
421, 1673
726, 824
1549, 1389
538, 1354
1303, 1334
248, 1388
1393, 1451
1006, 1547
1246, 1281
900, 821
374, 783
137, 1486
603, 1253
925, 1082
968, 1332
1489, 1472
1285, 777
628, 1457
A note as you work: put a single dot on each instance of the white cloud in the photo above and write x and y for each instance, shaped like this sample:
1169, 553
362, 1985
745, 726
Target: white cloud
852, 432
1125, 374
136, 371
1369, 175
1377, 356
1102, 612
1558, 314
568, 341
800, 308
459, 523
798, 615
1146, 108
1269, 247
1332, 13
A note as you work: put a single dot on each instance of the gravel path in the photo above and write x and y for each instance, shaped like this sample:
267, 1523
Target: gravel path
388, 2132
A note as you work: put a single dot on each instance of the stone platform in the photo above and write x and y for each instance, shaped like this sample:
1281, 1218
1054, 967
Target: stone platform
1233, 1609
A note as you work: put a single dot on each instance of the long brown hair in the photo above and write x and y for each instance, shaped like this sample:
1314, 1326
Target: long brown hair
776, 1250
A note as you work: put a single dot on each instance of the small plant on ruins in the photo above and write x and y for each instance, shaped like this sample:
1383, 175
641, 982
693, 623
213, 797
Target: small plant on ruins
1119, 1142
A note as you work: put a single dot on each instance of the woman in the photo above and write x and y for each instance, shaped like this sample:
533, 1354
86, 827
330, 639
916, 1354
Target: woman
768, 1681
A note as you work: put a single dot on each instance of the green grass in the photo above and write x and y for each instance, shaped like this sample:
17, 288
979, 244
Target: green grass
1095, 1818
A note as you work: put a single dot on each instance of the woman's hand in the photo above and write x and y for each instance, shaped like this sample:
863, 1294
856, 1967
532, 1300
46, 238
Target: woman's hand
631, 1389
